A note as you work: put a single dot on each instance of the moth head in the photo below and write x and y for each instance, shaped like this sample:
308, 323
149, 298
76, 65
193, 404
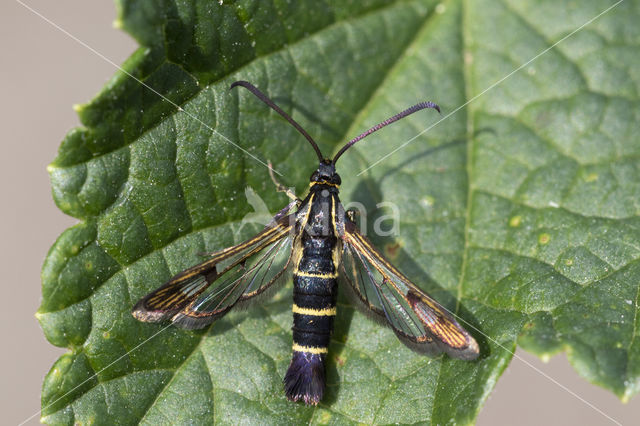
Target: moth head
326, 172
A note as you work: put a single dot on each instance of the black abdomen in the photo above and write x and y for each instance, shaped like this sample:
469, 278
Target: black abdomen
314, 307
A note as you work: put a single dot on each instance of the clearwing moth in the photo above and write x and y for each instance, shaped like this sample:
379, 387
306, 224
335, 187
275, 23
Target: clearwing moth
318, 241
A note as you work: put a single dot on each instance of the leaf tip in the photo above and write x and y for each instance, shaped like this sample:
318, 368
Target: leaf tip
627, 395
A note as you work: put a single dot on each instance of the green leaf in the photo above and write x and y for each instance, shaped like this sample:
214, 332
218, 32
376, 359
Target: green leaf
520, 211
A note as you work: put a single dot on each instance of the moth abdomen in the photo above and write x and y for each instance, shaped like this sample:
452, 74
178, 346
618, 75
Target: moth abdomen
313, 316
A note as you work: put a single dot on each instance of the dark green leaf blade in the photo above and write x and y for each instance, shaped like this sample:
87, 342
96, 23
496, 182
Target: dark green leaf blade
554, 211
514, 213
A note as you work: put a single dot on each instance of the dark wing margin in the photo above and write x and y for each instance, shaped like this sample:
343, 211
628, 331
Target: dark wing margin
240, 273
383, 292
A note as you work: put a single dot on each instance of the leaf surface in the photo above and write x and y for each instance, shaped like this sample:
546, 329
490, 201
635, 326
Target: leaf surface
519, 212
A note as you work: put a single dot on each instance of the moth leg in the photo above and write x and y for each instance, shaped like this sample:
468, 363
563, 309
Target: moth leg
281, 188
352, 214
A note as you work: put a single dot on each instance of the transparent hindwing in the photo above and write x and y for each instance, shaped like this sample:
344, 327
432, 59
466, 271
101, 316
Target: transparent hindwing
382, 291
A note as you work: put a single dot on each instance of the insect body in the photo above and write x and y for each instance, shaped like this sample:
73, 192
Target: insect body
319, 241
316, 258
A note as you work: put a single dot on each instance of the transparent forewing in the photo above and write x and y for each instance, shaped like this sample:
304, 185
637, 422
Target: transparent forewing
239, 283
418, 320
205, 292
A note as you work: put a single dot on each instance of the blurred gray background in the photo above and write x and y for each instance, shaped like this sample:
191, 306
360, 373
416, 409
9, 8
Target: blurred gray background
44, 72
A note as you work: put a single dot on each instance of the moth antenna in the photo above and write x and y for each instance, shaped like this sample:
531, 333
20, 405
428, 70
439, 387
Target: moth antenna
408, 111
253, 89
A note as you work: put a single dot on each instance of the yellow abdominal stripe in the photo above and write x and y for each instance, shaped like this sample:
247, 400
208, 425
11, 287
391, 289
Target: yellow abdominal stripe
316, 275
315, 312
309, 349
